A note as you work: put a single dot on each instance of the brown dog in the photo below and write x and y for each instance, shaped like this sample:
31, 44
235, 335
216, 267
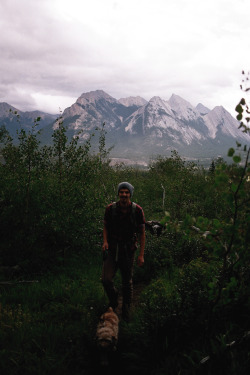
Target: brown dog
107, 334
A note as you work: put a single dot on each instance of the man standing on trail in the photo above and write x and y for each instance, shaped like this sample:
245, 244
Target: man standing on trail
123, 222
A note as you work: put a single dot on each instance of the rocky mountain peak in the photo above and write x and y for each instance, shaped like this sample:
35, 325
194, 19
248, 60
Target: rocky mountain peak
5, 110
159, 107
137, 101
140, 128
220, 111
220, 120
94, 96
178, 103
176, 100
182, 108
202, 109
156, 100
25, 120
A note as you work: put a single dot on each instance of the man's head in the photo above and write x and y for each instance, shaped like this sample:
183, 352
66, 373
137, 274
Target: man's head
125, 186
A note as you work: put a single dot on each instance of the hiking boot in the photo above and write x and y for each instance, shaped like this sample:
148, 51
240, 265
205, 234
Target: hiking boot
114, 302
126, 312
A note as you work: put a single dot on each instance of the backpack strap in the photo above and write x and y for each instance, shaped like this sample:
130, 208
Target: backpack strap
133, 217
113, 210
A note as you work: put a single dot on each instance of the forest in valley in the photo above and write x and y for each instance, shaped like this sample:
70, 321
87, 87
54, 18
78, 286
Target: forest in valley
191, 305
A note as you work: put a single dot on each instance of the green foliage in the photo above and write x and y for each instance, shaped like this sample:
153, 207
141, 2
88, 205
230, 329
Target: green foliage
51, 206
48, 327
231, 151
196, 273
4, 134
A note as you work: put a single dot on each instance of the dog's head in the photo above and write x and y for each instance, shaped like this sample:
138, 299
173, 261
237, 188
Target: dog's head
109, 316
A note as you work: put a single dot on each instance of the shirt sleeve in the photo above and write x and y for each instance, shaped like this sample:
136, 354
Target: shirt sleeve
140, 217
107, 215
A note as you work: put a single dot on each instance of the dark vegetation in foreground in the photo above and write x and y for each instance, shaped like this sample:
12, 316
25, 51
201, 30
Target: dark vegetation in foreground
192, 316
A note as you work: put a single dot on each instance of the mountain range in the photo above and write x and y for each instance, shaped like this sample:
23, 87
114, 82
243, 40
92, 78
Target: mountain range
140, 129
13, 119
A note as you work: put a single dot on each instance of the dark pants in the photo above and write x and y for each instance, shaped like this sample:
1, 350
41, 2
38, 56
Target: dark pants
119, 257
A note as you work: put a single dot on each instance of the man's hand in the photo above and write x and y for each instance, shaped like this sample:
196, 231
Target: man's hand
140, 260
105, 246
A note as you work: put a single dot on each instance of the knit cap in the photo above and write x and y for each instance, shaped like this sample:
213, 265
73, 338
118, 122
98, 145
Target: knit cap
125, 185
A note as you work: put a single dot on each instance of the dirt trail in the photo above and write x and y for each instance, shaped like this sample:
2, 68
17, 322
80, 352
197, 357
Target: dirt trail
137, 289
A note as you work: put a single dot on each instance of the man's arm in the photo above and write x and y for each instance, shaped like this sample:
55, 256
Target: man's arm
105, 245
140, 259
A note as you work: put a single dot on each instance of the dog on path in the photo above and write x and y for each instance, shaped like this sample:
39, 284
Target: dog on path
107, 334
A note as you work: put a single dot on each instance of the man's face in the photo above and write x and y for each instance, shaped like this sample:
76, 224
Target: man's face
124, 195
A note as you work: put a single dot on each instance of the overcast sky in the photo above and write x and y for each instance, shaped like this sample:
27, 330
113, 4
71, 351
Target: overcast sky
52, 51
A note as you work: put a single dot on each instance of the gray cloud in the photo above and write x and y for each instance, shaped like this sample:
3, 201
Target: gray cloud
51, 53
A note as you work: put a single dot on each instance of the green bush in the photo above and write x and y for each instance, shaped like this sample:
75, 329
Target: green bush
195, 279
